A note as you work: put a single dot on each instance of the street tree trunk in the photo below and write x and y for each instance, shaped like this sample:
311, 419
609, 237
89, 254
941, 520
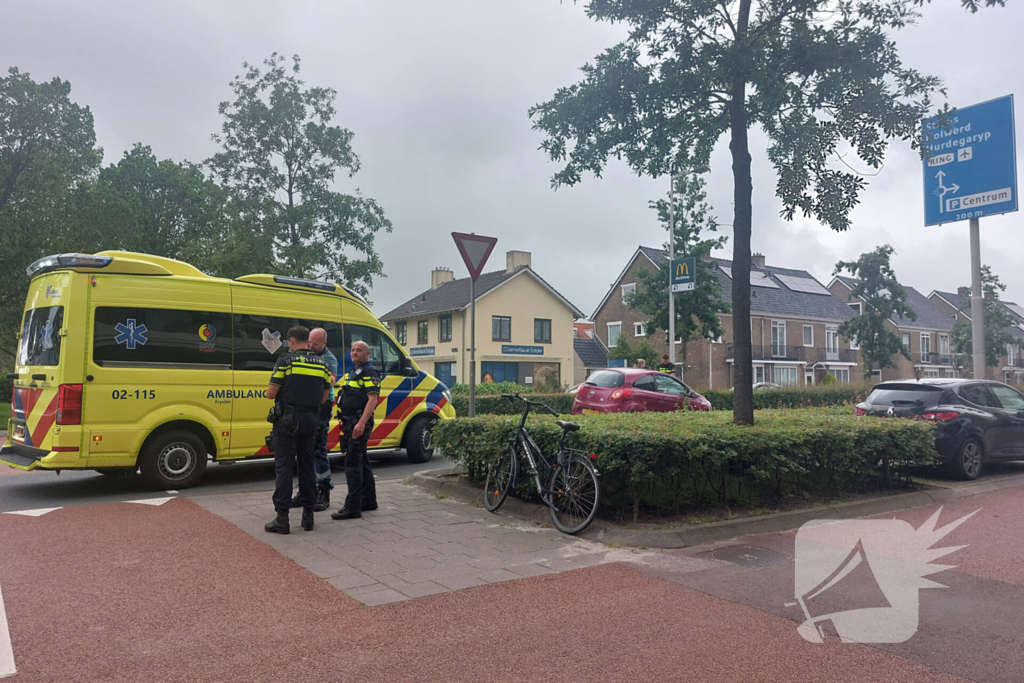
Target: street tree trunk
743, 394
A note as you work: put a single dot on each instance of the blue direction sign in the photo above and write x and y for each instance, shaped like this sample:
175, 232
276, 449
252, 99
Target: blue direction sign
970, 163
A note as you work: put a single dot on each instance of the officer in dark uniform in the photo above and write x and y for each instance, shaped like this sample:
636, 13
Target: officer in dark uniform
360, 390
667, 366
299, 385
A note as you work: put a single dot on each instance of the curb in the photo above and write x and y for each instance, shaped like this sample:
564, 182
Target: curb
447, 482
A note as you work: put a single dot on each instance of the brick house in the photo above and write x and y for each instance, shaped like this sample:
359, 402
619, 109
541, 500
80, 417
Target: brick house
794, 324
1011, 365
927, 338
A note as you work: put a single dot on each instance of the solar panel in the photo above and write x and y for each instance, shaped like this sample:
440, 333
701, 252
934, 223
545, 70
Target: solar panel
803, 284
759, 279
727, 270
1019, 310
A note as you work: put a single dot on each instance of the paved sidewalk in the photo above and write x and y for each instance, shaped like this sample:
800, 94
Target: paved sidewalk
418, 544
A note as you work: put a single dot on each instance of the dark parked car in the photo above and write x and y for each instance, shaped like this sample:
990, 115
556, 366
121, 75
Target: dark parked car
634, 390
975, 421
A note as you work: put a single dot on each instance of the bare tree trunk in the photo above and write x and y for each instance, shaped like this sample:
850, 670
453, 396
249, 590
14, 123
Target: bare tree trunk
743, 395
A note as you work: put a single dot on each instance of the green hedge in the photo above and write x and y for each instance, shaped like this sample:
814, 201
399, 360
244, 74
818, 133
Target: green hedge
666, 462
806, 397
496, 405
491, 389
5, 414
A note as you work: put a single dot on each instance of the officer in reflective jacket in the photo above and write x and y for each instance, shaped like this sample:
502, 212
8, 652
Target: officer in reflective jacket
299, 385
667, 366
360, 390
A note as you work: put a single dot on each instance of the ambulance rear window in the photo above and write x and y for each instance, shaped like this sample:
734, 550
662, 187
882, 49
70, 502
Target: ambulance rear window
40, 336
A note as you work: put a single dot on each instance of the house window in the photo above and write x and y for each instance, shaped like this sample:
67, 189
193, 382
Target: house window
785, 375
876, 376
542, 330
929, 374
401, 332
905, 338
926, 347
944, 348
832, 342
779, 338
499, 372
422, 332
758, 374
841, 374
501, 328
444, 328
627, 290
856, 307
614, 330
809, 378
639, 330
808, 335
1011, 354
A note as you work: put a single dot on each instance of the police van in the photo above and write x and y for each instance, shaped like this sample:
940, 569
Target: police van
129, 361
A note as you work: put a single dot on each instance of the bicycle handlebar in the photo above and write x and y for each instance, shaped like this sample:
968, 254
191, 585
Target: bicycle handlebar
537, 404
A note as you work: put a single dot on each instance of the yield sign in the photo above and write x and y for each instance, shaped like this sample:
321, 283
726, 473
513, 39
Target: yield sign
474, 249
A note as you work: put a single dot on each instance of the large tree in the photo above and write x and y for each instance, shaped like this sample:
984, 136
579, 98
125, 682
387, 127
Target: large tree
997, 319
884, 298
280, 156
696, 312
822, 78
48, 154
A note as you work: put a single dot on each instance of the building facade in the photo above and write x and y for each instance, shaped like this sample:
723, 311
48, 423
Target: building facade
1010, 368
524, 327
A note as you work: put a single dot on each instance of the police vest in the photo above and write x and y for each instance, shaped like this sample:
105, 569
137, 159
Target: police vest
303, 377
356, 388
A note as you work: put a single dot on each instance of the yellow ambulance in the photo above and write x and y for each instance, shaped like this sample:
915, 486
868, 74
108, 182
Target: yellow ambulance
129, 361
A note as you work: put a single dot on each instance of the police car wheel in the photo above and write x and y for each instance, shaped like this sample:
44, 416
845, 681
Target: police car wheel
419, 442
173, 460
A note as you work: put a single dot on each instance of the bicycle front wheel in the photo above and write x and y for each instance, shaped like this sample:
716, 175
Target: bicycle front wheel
501, 477
575, 495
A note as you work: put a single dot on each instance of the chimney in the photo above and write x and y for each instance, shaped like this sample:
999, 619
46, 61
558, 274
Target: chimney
757, 260
516, 259
439, 276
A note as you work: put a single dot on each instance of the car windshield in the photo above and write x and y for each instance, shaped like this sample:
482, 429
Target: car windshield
904, 395
607, 379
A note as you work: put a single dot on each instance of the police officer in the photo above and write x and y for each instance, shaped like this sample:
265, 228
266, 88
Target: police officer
299, 385
360, 390
666, 366
321, 461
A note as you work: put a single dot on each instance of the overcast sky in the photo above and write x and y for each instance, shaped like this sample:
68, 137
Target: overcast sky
437, 94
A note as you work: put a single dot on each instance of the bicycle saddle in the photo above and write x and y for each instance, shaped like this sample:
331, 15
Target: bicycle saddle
567, 426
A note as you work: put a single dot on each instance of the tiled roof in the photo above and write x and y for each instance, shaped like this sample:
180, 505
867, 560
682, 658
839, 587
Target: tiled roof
783, 301
454, 295
590, 351
962, 303
929, 316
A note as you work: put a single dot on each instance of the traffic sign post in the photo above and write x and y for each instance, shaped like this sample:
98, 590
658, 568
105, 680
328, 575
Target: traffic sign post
683, 276
970, 171
474, 249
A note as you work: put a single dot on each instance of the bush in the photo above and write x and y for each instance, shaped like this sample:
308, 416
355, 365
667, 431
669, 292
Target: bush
665, 462
491, 389
496, 405
800, 397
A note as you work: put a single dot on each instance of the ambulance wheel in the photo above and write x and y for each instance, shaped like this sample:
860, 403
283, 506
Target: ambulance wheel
173, 460
419, 441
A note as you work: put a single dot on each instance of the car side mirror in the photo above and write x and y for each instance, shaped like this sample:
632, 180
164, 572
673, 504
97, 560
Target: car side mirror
407, 369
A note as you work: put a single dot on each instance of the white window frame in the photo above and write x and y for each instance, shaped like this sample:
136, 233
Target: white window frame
811, 328
618, 324
791, 373
808, 378
931, 373
926, 336
627, 289
857, 307
944, 345
876, 374
832, 338
854, 344
905, 340
841, 374
781, 326
639, 329
758, 368
1011, 354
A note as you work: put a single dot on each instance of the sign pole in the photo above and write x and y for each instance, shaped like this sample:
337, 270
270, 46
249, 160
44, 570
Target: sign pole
472, 347
671, 256
977, 303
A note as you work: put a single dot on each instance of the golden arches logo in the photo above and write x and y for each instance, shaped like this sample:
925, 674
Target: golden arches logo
682, 270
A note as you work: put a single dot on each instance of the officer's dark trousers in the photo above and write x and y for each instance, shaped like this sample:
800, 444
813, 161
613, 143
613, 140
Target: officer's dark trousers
294, 443
362, 490
321, 463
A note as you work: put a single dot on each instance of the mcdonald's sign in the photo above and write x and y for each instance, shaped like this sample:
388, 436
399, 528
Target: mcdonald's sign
683, 274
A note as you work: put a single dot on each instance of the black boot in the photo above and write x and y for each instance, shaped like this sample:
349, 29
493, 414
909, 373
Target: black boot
307, 520
345, 513
323, 498
280, 524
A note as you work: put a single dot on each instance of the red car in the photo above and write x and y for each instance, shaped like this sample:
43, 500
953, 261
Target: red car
634, 390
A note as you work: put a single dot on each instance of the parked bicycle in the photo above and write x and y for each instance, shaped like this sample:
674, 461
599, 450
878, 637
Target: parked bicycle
570, 487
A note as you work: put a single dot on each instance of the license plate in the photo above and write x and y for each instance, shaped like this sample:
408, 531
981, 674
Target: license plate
591, 411
19, 432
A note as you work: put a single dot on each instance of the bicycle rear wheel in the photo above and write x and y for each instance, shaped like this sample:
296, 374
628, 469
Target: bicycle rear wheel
575, 495
501, 477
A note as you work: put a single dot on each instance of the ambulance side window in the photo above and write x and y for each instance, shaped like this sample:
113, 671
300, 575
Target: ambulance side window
260, 339
128, 336
384, 355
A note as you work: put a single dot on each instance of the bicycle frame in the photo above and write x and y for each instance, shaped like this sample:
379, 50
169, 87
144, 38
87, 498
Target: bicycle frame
534, 453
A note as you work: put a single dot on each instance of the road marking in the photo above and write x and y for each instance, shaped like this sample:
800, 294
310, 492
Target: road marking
151, 501
7, 667
32, 513
172, 492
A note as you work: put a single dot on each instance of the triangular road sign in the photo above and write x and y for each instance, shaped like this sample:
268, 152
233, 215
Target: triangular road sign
474, 249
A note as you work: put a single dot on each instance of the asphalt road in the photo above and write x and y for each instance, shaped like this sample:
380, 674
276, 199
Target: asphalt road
44, 489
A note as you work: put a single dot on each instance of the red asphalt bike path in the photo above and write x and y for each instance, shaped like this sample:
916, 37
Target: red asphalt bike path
125, 592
